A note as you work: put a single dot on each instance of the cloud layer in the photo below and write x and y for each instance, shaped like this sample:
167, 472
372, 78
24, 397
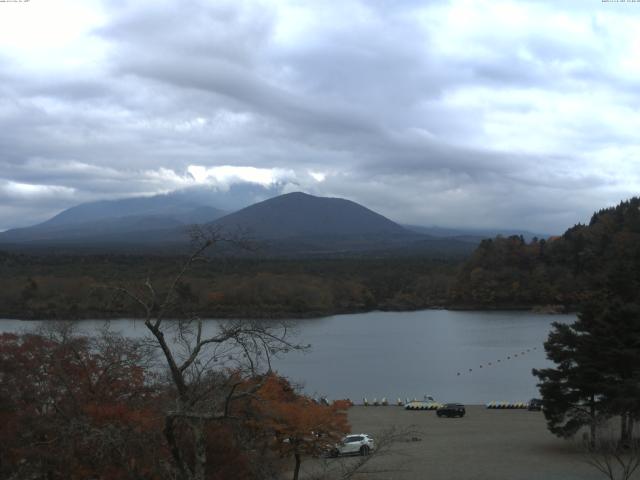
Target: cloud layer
463, 113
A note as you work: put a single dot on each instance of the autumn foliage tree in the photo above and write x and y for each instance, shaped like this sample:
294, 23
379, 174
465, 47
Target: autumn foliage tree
297, 425
75, 407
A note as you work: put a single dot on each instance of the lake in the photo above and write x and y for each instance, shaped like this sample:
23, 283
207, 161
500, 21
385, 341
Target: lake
469, 357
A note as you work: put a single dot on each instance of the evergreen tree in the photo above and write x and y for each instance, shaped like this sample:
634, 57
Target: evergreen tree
597, 373
617, 328
572, 391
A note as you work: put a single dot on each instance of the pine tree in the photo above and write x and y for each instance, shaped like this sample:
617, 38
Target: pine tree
617, 328
597, 373
571, 392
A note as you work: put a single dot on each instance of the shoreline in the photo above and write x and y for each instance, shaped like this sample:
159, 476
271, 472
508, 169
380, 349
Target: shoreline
543, 310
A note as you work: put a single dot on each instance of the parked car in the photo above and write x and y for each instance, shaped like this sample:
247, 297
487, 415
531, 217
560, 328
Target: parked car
354, 444
535, 405
451, 410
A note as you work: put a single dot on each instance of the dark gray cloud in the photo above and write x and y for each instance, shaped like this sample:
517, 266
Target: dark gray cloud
487, 114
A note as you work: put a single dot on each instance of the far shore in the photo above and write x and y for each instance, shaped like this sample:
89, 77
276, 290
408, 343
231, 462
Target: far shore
223, 315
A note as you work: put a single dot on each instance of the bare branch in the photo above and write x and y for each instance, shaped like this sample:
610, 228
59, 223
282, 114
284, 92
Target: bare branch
613, 459
206, 388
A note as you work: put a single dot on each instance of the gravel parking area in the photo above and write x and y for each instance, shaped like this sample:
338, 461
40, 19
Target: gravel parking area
484, 445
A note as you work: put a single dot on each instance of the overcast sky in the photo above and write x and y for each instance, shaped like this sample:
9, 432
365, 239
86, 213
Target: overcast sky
521, 114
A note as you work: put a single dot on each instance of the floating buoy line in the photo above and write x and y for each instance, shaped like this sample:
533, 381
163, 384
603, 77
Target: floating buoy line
500, 360
431, 404
507, 405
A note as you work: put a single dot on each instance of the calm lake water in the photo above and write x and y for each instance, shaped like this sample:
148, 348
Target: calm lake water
469, 357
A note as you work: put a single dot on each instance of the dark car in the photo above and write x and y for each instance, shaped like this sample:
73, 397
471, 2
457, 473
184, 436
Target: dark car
451, 410
535, 405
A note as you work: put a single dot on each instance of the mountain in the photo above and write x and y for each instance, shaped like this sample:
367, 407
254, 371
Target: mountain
158, 206
116, 220
131, 220
298, 224
293, 224
230, 199
188, 205
301, 215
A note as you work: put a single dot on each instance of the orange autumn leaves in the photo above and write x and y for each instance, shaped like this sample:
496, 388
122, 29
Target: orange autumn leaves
74, 408
298, 424
81, 407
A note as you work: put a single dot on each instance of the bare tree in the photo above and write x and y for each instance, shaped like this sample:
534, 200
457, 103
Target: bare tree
615, 460
208, 363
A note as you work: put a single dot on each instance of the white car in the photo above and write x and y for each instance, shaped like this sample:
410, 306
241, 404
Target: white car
354, 444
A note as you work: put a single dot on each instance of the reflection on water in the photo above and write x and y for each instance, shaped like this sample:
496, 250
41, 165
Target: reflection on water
470, 357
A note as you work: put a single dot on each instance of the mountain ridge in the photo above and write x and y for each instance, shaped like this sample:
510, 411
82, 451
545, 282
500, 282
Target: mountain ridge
292, 224
299, 214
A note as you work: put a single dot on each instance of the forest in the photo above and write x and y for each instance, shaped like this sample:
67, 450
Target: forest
564, 271
72, 287
555, 274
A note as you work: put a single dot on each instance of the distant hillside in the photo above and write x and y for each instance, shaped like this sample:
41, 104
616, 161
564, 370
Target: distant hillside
565, 271
189, 205
137, 221
302, 215
157, 206
302, 225
132, 220
293, 225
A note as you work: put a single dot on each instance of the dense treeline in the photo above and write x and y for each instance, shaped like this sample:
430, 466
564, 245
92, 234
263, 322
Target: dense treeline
565, 271
80, 286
